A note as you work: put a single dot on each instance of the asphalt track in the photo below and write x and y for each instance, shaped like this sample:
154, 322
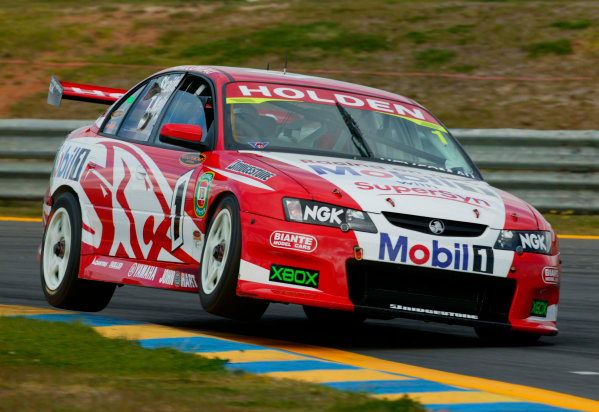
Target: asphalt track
548, 365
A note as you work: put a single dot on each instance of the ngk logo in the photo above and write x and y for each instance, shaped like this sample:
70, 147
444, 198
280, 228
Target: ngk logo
461, 256
323, 214
534, 241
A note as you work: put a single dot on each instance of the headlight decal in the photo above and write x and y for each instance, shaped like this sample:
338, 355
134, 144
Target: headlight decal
323, 214
533, 241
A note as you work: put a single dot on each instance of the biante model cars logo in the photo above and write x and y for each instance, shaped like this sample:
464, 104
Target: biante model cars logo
294, 276
293, 241
551, 275
459, 258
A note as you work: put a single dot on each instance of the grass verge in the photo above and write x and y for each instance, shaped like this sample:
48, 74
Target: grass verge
48, 366
352, 36
565, 224
21, 208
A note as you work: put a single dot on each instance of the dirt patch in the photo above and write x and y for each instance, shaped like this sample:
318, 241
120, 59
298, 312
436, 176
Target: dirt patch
19, 84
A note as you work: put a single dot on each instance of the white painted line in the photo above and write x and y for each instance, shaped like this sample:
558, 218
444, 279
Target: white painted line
585, 372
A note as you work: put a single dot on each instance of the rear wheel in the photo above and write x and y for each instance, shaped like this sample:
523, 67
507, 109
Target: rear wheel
219, 268
59, 265
332, 317
505, 337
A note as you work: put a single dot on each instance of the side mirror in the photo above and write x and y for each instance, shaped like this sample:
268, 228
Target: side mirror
184, 135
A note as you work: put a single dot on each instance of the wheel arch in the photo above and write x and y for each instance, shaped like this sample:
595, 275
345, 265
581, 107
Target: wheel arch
64, 189
216, 201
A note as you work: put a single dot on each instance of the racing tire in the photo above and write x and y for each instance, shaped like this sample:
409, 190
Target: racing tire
505, 337
59, 263
219, 267
332, 317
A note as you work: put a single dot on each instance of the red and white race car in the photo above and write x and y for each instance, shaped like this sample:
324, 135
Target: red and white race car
251, 186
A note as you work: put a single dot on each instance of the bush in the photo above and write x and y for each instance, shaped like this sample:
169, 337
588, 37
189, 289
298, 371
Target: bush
561, 46
433, 57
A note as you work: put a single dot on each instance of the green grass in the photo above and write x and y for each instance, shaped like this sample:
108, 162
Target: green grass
570, 224
313, 41
578, 24
351, 36
48, 366
559, 47
21, 208
433, 57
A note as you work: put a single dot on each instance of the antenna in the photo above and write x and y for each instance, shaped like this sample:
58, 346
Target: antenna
285, 67
267, 66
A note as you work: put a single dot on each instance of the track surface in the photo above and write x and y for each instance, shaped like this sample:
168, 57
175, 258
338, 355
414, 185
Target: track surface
547, 365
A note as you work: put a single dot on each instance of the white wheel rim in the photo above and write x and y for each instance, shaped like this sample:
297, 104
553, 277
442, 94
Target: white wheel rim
218, 243
57, 248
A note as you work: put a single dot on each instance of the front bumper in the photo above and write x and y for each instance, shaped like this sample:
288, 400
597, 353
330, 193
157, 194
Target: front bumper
388, 290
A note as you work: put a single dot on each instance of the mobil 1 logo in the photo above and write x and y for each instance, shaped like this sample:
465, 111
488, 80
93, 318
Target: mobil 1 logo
294, 276
71, 163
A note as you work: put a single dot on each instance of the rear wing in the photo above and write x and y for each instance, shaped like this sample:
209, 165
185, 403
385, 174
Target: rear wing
81, 92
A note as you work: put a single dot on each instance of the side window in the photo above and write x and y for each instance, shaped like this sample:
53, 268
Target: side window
141, 118
192, 104
117, 115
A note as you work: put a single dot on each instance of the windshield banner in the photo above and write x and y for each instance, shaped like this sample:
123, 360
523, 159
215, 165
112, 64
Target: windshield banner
257, 93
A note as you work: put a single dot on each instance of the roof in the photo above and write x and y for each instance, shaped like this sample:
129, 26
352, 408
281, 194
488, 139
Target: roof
272, 76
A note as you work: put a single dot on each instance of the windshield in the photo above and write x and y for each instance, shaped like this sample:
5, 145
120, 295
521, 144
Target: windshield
326, 122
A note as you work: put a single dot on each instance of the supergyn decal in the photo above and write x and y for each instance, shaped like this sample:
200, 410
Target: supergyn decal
293, 241
200, 196
461, 256
71, 163
433, 312
140, 271
240, 166
402, 183
294, 276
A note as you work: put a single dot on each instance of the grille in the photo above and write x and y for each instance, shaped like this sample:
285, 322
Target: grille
377, 285
420, 224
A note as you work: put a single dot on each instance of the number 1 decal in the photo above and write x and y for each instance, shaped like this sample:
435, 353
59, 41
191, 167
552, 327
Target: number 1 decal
483, 259
178, 209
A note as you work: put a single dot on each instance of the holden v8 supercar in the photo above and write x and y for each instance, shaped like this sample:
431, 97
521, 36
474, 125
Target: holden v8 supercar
250, 187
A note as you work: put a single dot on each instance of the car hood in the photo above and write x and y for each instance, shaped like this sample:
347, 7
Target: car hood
382, 187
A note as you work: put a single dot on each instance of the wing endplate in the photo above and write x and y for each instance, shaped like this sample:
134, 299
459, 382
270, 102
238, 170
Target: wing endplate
81, 92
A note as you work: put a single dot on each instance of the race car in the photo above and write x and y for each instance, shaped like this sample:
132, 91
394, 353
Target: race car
250, 187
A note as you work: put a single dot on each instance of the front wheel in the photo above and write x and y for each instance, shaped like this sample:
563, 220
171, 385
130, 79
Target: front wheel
219, 268
59, 264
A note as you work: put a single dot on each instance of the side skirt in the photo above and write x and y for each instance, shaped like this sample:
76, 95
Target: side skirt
163, 275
